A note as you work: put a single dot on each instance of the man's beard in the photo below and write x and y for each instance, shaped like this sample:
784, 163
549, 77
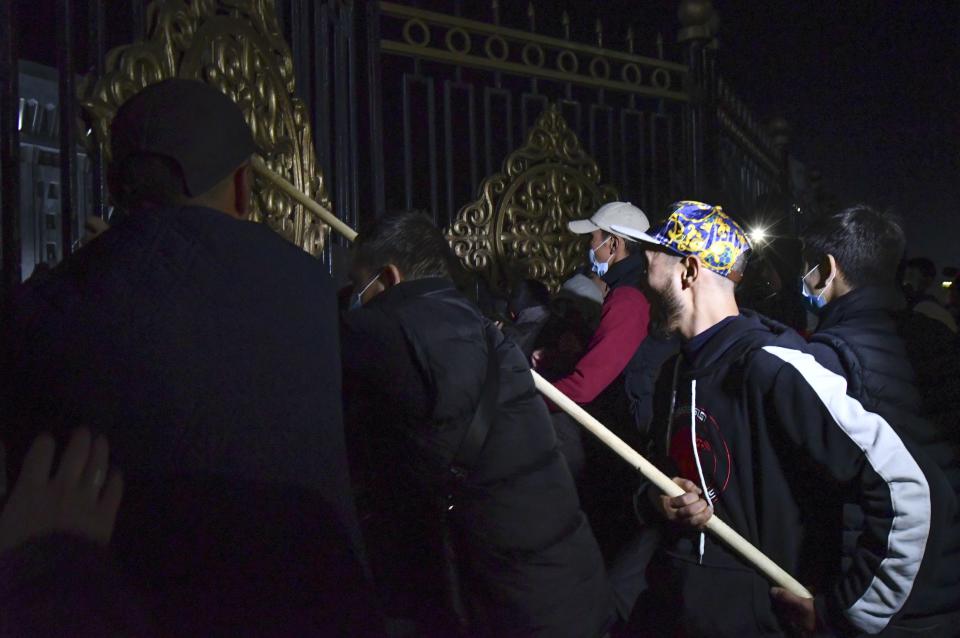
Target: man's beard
665, 312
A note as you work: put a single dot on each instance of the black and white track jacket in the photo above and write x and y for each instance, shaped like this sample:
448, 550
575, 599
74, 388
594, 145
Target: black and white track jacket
777, 443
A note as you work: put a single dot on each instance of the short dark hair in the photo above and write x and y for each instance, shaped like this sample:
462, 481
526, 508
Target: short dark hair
630, 245
866, 243
146, 179
407, 239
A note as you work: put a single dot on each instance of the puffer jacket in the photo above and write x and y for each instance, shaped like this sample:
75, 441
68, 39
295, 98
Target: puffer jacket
857, 337
415, 366
774, 440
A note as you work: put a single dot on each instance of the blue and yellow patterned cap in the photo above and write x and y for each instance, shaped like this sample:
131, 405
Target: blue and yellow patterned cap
699, 230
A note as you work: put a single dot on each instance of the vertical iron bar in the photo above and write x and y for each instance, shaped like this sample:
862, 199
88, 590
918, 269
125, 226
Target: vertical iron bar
97, 46
630, 47
654, 165
352, 97
68, 160
432, 153
407, 145
9, 151
375, 105
532, 16
695, 116
671, 160
525, 100
488, 125
321, 89
497, 76
624, 174
458, 11
472, 121
448, 147
343, 202
568, 87
300, 40
611, 152
455, 169
320, 107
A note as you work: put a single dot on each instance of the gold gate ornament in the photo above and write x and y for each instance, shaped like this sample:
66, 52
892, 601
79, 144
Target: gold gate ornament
518, 226
238, 47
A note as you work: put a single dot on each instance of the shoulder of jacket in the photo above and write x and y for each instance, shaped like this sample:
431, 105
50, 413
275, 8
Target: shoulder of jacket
767, 360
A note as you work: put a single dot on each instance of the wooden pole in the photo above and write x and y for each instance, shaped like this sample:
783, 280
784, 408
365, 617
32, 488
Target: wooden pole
721, 530
278, 180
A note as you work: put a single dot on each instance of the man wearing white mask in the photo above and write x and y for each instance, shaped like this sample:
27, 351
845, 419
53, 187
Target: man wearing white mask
596, 380
626, 312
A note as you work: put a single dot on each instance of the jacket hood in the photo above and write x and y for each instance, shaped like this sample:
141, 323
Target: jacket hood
748, 331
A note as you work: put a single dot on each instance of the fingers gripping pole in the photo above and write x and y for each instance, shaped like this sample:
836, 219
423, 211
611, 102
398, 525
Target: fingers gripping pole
719, 529
328, 217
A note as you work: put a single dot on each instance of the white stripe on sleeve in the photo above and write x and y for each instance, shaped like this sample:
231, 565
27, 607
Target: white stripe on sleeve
909, 491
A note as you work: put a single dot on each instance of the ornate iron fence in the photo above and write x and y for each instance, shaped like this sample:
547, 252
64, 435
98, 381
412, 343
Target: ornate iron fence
409, 108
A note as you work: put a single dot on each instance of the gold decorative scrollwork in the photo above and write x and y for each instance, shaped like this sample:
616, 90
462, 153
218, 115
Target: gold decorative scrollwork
238, 47
518, 226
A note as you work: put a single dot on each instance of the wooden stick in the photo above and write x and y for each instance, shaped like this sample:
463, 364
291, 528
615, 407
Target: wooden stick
328, 217
721, 530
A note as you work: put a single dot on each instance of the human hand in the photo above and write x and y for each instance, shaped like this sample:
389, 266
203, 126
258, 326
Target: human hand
688, 509
81, 498
797, 611
536, 358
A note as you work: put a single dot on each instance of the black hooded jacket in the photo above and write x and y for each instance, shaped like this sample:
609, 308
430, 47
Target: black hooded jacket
777, 440
857, 337
415, 363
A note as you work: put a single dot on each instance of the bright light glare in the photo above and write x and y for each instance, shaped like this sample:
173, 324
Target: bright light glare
947, 284
758, 234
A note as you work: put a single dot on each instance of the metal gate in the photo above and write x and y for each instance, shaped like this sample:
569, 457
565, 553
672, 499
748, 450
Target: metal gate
408, 108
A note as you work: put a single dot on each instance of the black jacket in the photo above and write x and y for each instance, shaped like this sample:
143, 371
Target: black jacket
415, 361
857, 337
777, 438
205, 348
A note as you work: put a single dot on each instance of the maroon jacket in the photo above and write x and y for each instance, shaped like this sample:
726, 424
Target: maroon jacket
623, 326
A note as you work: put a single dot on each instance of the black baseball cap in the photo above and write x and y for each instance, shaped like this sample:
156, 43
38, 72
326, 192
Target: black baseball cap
188, 121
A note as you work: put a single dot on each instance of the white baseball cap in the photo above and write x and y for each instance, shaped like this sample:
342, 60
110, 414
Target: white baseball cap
610, 215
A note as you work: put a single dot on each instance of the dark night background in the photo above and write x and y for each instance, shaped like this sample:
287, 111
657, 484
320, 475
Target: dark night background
869, 88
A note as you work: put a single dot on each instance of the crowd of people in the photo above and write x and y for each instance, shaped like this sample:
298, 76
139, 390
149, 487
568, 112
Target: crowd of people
243, 455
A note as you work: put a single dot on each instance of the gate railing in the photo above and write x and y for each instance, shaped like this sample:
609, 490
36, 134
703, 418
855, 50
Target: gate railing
411, 109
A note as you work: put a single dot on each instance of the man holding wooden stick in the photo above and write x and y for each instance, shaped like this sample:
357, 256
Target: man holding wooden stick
470, 514
757, 431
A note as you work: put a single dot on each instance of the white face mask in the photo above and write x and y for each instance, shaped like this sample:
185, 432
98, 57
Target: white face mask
358, 297
815, 302
599, 267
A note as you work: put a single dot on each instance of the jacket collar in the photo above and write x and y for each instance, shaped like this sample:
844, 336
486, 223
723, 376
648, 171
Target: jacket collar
865, 300
626, 272
406, 290
738, 336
